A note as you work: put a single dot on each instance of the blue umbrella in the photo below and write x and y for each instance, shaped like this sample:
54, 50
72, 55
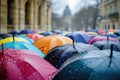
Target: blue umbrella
99, 65
58, 55
102, 45
46, 33
26, 31
79, 37
22, 45
109, 35
3, 35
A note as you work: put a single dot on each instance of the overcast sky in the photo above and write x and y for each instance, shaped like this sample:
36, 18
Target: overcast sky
75, 5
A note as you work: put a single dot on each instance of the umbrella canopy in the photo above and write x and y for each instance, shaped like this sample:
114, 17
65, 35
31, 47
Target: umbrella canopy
101, 38
106, 45
93, 34
3, 35
14, 32
10, 39
57, 31
79, 37
34, 36
46, 33
24, 65
117, 33
23, 45
58, 55
92, 66
26, 38
101, 32
26, 31
49, 42
110, 35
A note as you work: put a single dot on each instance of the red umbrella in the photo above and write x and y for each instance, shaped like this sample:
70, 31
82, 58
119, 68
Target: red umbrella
34, 36
24, 65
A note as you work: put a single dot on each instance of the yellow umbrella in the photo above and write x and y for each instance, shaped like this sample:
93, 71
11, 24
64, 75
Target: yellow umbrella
10, 39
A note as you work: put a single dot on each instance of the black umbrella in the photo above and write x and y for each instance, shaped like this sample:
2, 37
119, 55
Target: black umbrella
57, 56
102, 45
102, 65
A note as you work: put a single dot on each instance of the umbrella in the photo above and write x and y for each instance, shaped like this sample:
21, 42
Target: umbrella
23, 45
79, 37
101, 38
117, 33
26, 38
46, 33
49, 42
26, 31
58, 55
110, 35
10, 39
101, 32
93, 34
24, 65
14, 32
100, 65
34, 36
106, 45
57, 31
3, 35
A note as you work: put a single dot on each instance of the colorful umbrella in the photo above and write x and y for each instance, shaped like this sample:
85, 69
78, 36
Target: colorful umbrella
58, 55
49, 42
26, 38
34, 36
24, 65
79, 37
100, 65
23, 45
10, 39
101, 38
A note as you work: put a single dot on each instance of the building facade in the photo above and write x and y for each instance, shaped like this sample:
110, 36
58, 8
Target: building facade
110, 14
25, 14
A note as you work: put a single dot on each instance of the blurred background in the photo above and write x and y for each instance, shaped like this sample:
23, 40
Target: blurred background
65, 15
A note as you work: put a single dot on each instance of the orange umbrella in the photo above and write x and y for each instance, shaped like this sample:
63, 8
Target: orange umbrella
34, 36
48, 42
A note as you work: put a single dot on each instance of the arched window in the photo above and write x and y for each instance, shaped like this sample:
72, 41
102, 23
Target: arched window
10, 11
27, 13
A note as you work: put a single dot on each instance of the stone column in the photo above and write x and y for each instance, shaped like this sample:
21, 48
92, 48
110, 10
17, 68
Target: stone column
3, 16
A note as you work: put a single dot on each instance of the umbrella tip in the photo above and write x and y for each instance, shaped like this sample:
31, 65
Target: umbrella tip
111, 51
2, 48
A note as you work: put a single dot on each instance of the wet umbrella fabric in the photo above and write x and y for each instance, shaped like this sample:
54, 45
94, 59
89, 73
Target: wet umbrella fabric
79, 37
106, 45
92, 66
49, 42
58, 55
19, 65
24, 46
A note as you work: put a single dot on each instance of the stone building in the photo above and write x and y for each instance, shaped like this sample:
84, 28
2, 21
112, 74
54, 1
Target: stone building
110, 14
25, 14
67, 19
